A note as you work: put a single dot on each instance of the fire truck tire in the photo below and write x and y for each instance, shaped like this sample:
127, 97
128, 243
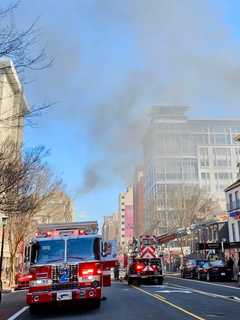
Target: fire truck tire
129, 281
96, 303
160, 281
34, 309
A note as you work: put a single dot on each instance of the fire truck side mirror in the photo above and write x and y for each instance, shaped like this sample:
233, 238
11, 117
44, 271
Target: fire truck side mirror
108, 250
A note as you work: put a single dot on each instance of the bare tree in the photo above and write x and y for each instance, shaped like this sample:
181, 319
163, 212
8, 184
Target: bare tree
187, 205
25, 186
23, 49
21, 46
190, 205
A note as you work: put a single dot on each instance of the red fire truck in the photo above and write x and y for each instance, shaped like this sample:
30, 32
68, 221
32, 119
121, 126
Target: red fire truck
145, 262
68, 262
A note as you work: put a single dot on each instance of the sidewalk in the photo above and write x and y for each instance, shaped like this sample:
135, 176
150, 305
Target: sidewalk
175, 274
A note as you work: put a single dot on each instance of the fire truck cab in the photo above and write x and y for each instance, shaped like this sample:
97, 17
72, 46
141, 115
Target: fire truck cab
68, 262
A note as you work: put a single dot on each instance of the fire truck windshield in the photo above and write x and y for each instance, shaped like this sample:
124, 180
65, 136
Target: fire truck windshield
50, 251
82, 249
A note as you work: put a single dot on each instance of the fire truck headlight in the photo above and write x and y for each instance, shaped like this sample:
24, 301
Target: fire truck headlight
40, 282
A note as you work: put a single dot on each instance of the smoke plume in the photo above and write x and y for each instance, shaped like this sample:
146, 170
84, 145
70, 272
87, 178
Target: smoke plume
130, 55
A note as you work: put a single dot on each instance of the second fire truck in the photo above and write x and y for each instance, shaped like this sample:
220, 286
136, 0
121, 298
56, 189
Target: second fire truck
68, 262
145, 261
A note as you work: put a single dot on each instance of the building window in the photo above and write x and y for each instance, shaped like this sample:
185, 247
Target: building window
233, 232
215, 233
210, 234
222, 157
237, 199
230, 201
204, 158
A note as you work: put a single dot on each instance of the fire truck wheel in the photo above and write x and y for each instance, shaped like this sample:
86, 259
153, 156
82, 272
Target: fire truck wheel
96, 303
34, 309
136, 283
160, 281
129, 281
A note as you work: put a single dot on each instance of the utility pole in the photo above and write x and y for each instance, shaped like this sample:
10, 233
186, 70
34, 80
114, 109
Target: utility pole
4, 220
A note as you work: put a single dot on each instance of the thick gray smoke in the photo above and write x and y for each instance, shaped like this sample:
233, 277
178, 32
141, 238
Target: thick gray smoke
182, 53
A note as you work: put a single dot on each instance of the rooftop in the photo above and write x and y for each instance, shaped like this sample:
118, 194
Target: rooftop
233, 186
7, 67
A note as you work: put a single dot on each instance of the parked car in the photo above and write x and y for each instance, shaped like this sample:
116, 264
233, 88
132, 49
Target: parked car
22, 280
214, 270
190, 268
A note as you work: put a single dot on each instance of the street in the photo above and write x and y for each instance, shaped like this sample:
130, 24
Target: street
176, 299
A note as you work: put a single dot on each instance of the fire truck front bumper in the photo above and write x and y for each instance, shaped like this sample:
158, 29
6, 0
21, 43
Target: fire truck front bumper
38, 297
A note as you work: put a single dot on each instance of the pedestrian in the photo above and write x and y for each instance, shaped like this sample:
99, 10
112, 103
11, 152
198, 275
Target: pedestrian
116, 271
230, 264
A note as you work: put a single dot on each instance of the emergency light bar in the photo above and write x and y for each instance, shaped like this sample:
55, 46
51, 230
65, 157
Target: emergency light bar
67, 229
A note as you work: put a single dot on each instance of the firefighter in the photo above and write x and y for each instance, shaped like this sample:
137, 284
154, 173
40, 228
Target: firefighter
116, 271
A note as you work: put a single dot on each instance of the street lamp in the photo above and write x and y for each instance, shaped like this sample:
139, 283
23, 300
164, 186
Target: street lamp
4, 222
222, 247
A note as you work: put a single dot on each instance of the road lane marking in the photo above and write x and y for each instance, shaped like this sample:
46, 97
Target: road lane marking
209, 294
173, 291
207, 283
17, 314
164, 300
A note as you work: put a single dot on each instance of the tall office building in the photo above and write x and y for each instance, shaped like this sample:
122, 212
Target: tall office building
110, 227
138, 203
125, 218
182, 152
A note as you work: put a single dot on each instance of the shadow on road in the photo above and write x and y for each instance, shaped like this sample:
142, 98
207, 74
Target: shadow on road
64, 311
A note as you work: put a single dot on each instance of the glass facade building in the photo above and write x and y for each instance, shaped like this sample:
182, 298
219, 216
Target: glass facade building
180, 152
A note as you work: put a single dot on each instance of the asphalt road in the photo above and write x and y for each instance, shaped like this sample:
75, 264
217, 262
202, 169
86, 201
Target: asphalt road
176, 299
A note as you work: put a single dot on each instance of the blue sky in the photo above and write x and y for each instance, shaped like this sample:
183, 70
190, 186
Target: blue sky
112, 61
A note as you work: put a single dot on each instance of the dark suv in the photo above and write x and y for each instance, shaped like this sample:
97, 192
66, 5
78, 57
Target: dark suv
189, 269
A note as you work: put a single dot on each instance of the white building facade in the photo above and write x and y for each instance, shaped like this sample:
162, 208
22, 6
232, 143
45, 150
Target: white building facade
181, 153
13, 108
125, 218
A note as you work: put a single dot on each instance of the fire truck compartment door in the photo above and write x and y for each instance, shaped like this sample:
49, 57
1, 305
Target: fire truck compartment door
108, 259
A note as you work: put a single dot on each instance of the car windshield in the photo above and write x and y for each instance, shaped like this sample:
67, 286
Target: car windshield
83, 249
200, 262
218, 263
205, 265
48, 251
